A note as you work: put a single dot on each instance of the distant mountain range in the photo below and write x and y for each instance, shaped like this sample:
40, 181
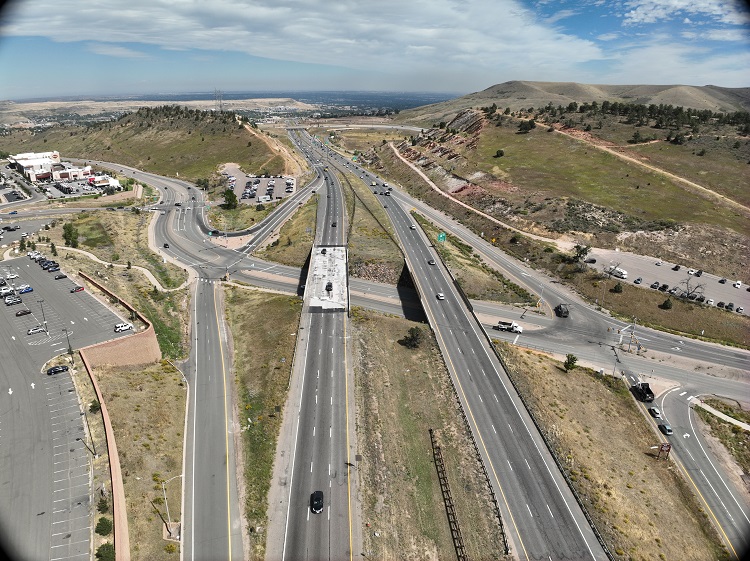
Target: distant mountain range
523, 94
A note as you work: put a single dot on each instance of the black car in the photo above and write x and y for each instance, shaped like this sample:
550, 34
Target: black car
329, 286
676, 268
655, 285
57, 369
562, 310
722, 281
23, 312
316, 502
166, 246
699, 272
720, 305
590, 260
729, 307
664, 287
333, 224
61, 276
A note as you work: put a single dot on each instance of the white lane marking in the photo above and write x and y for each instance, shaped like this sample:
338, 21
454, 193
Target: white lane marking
493, 429
529, 509
683, 393
550, 511
509, 465
311, 466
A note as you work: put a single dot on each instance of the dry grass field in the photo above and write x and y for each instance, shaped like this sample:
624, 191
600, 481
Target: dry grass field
295, 239
401, 393
147, 408
641, 505
261, 365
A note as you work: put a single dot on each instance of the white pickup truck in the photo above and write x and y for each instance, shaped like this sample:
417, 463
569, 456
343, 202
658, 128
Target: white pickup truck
511, 326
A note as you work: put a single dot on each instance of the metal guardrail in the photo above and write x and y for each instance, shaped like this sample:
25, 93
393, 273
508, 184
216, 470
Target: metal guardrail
450, 509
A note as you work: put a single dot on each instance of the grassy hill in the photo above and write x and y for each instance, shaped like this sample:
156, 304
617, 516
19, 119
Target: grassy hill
524, 94
167, 140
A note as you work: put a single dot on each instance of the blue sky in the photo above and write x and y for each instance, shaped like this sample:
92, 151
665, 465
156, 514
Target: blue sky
52, 48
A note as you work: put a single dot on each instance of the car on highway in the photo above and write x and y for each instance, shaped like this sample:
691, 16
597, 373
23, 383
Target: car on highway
412, 227
639, 280
316, 502
166, 246
440, 296
13, 212
25, 312
76, 289
431, 262
36, 329
120, 327
654, 412
333, 224
57, 369
666, 429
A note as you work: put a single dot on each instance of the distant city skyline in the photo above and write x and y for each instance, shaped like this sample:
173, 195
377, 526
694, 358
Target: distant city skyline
74, 48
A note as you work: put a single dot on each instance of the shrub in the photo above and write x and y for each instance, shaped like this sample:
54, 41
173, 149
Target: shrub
104, 526
106, 552
413, 339
617, 289
102, 506
667, 304
94, 406
570, 362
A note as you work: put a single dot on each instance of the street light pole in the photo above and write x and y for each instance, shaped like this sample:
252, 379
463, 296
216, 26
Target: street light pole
44, 319
164, 492
88, 447
70, 349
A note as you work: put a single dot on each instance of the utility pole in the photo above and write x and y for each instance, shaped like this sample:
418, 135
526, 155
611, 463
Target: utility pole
44, 320
70, 349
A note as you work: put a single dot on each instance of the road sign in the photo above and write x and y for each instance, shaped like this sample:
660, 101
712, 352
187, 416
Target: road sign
441, 237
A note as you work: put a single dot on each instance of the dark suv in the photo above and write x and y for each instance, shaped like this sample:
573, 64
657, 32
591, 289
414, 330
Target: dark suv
316, 502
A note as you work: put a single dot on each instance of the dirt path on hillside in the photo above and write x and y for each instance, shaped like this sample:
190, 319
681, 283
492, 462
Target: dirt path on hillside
291, 165
562, 243
615, 150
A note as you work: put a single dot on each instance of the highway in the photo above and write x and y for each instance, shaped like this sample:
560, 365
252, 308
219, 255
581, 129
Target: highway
596, 338
587, 333
321, 458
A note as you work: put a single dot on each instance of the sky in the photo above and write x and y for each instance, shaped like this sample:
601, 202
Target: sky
53, 48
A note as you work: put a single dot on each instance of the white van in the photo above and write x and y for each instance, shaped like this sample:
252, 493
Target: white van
123, 327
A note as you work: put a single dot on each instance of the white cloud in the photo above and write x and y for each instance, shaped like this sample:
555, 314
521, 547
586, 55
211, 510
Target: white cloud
391, 35
652, 11
608, 36
114, 50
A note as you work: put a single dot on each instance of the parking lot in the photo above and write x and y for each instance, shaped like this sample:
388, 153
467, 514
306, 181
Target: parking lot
9, 233
254, 190
45, 505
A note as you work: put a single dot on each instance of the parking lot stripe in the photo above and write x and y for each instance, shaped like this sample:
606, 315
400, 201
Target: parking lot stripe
67, 544
69, 556
70, 519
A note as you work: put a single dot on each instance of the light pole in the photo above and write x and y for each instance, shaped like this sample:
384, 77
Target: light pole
88, 447
164, 492
70, 349
44, 319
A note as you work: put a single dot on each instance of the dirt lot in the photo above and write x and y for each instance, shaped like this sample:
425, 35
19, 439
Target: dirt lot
401, 394
147, 408
262, 366
641, 505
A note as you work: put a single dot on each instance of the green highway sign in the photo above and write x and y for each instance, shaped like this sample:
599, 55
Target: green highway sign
441, 237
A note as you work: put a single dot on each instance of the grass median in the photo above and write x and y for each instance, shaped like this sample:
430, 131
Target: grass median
264, 334
295, 238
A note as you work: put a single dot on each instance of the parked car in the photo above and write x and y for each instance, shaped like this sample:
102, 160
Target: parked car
740, 309
664, 287
590, 260
729, 307
26, 290
25, 312
699, 272
123, 327
722, 281
737, 284
676, 268
76, 289
639, 280
720, 305
655, 285
431, 262
57, 369
34, 330
61, 276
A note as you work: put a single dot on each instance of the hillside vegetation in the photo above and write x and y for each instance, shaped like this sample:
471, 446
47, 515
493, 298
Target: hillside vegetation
167, 140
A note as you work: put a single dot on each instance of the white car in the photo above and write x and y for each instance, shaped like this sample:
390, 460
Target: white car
737, 284
37, 329
710, 302
440, 296
11, 276
5, 291
691, 271
123, 327
22, 287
